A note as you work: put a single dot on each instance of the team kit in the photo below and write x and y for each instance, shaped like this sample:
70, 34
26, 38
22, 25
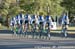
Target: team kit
21, 24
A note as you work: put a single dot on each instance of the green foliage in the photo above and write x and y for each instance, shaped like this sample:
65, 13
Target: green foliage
69, 5
43, 7
33, 7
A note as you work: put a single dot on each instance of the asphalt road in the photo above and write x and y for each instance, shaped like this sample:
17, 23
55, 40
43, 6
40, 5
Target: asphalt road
9, 42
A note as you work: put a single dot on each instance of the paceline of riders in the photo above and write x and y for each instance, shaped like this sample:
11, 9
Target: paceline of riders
21, 18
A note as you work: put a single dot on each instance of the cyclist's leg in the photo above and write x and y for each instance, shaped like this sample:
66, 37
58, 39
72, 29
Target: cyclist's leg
33, 27
21, 28
40, 27
49, 30
65, 30
25, 28
14, 30
44, 27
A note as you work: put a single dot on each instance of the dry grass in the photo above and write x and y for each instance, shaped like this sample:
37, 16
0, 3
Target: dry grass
3, 27
69, 28
60, 28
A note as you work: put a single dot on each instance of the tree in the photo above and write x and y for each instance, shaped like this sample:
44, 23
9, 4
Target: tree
51, 6
31, 6
4, 9
8, 10
27, 5
69, 5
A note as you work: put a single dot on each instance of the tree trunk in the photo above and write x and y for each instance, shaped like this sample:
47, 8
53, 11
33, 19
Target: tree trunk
7, 21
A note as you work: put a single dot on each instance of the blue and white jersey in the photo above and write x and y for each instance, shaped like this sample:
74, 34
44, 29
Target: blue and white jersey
27, 18
20, 21
12, 22
48, 19
16, 20
41, 19
23, 16
33, 17
36, 19
65, 19
20, 18
16, 17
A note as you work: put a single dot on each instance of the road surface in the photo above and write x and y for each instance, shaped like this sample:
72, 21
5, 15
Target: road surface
7, 41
